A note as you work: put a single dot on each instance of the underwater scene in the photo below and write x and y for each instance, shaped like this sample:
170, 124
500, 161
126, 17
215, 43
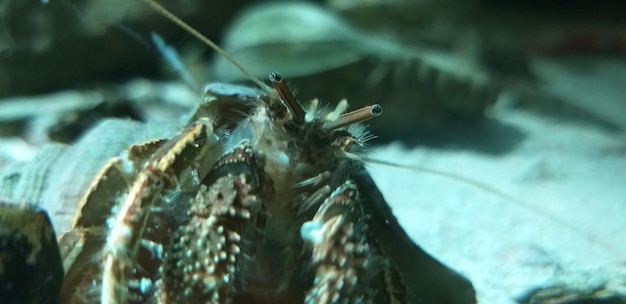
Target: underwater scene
337, 151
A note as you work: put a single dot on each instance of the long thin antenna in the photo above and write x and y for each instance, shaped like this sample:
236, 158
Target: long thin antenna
482, 186
421, 169
161, 10
171, 56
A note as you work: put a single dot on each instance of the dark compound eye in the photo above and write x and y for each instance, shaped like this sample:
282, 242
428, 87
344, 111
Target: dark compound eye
287, 96
276, 77
376, 110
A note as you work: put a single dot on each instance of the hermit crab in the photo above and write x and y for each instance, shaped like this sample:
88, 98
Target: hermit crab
256, 200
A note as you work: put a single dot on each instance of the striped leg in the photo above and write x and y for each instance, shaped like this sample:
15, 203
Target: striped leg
340, 253
122, 278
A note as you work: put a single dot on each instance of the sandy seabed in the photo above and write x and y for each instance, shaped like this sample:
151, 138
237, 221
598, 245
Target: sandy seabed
565, 223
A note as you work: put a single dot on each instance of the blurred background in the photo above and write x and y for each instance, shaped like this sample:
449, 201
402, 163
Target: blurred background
433, 65
526, 96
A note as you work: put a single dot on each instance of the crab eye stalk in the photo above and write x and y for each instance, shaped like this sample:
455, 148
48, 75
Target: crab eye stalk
353, 117
286, 95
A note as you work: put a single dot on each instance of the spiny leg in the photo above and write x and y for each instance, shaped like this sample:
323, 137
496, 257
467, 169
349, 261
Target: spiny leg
200, 264
129, 227
340, 253
81, 247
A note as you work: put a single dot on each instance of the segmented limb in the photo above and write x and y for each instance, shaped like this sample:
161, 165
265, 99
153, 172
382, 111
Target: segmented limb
340, 253
130, 224
81, 249
200, 264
